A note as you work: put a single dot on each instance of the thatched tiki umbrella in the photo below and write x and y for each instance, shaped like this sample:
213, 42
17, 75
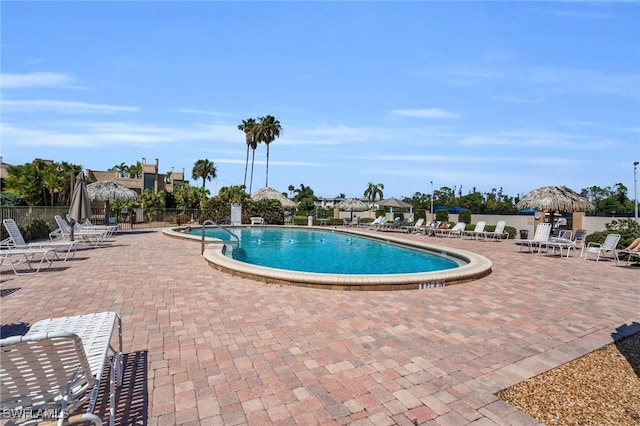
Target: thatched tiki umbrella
352, 205
267, 193
555, 199
109, 191
80, 208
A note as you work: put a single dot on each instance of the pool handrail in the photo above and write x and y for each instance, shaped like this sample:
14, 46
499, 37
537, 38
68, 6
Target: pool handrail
215, 224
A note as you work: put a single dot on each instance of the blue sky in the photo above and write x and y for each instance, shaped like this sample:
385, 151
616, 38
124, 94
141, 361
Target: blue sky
512, 95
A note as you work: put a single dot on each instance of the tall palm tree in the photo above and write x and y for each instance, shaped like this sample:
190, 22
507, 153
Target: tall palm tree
373, 190
248, 126
205, 170
268, 130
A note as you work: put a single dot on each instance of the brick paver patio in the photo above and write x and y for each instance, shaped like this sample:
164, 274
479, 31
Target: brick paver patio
208, 348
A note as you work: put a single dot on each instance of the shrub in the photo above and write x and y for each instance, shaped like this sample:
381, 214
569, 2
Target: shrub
34, 228
442, 216
270, 210
628, 229
465, 216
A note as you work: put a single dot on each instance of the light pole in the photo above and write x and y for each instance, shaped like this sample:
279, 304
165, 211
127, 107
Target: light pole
635, 187
432, 218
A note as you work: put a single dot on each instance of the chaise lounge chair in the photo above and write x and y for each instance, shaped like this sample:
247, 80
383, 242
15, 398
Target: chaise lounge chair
416, 228
477, 231
90, 236
456, 231
16, 240
498, 232
25, 256
56, 368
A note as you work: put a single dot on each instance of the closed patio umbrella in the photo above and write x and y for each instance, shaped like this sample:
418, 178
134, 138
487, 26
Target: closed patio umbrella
80, 208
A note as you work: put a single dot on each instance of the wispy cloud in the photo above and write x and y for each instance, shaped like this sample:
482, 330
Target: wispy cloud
557, 81
539, 139
519, 99
582, 14
62, 107
424, 113
195, 111
36, 79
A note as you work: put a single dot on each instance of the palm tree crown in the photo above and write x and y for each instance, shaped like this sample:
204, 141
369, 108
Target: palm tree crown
373, 190
267, 131
205, 170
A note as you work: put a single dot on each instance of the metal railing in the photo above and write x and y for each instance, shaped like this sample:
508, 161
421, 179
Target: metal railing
215, 225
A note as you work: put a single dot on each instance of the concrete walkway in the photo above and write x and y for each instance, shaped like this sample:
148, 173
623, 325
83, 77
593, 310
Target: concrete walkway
208, 348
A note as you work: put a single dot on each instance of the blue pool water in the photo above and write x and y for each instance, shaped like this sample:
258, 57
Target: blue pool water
327, 252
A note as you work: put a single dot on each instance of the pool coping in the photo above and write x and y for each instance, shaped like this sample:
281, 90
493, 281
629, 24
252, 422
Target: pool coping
477, 267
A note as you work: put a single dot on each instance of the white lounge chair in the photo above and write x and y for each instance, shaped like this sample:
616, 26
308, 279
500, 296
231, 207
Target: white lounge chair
57, 367
630, 254
111, 229
25, 256
562, 242
377, 222
541, 236
478, 230
456, 231
416, 228
17, 240
393, 226
90, 236
608, 246
498, 232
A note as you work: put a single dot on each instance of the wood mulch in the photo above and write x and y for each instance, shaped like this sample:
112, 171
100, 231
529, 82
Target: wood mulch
600, 388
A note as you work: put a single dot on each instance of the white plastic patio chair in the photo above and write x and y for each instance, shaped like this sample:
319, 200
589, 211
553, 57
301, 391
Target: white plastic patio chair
543, 231
57, 367
608, 246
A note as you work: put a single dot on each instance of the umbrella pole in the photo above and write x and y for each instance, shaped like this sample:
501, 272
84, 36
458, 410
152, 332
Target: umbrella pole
72, 223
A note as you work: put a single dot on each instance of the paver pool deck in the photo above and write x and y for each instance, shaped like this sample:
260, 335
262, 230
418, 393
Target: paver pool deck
204, 347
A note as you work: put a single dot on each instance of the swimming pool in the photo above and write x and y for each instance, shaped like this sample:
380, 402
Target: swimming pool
217, 254
327, 252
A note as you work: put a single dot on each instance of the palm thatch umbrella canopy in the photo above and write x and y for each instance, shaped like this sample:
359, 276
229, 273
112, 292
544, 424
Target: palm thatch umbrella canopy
352, 204
110, 191
267, 193
555, 199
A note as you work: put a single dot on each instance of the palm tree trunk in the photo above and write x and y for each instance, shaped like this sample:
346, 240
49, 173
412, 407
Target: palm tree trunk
253, 157
246, 165
267, 181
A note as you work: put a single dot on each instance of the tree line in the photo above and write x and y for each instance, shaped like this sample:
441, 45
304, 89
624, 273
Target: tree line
46, 183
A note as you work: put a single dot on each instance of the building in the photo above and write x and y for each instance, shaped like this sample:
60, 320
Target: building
149, 178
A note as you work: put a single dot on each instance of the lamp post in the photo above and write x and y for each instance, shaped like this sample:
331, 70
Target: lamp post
432, 218
635, 187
